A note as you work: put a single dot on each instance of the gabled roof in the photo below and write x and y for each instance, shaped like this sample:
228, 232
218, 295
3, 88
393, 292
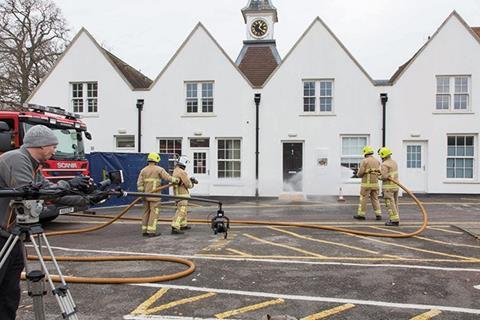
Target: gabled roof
475, 32
197, 27
257, 60
137, 79
318, 20
134, 79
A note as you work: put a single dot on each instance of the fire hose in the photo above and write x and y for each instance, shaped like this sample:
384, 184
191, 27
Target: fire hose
191, 264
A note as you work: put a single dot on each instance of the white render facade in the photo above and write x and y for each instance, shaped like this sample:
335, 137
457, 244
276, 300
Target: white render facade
317, 110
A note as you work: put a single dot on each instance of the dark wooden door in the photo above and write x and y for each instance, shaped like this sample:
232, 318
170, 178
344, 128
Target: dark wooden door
292, 166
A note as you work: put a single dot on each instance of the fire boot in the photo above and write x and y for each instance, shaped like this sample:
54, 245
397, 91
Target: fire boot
392, 223
358, 217
177, 231
185, 228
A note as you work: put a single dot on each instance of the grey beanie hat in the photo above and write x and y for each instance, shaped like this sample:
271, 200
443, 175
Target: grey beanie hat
39, 136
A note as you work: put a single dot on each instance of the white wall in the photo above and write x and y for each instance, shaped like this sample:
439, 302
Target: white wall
411, 108
356, 107
165, 110
116, 101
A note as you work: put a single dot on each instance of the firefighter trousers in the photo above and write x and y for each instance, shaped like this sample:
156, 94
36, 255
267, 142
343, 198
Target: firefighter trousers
371, 193
180, 218
10, 281
150, 216
391, 202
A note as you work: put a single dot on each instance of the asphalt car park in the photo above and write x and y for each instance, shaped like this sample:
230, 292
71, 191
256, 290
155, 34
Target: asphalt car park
278, 270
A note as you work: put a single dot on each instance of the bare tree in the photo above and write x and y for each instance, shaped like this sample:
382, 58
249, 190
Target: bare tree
33, 33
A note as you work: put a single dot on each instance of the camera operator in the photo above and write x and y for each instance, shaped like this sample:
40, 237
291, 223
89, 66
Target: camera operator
179, 222
18, 168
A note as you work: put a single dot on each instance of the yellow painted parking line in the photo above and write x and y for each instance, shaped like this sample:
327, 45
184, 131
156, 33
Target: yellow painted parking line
284, 246
329, 312
334, 259
427, 315
141, 309
254, 307
240, 253
220, 243
432, 240
178, 302
323, 241
412, 248
443, 230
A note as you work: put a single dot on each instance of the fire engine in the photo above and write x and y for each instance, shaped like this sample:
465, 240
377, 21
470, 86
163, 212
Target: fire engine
69, 159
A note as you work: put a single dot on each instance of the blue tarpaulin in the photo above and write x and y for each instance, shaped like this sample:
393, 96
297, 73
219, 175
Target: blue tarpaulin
131, 163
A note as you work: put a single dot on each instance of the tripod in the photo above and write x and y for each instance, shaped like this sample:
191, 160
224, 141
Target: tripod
28, 228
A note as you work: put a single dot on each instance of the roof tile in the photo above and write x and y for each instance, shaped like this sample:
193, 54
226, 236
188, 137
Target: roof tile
257, 64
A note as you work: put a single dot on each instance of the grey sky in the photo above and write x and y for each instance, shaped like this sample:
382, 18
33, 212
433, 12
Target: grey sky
380, 34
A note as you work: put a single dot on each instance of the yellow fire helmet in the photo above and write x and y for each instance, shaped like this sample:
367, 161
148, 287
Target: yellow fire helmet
153, 157
384, 152
367, 150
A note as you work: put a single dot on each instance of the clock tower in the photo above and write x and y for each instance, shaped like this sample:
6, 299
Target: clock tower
260, 17
259, 56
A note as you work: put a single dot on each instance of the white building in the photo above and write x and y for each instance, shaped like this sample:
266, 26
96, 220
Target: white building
317, 108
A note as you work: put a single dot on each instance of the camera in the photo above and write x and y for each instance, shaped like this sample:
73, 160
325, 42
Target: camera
220, 223
113, 177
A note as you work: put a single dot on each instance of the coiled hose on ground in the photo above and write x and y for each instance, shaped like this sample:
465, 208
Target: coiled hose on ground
190, 264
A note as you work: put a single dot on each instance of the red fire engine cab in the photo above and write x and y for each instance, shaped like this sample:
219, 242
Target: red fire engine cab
69, 159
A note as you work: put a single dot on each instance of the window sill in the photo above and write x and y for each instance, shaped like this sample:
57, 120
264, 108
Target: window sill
352, 181
453, 112
228, 182
124, 149
199, 115
460, 181
317, 114
89, 115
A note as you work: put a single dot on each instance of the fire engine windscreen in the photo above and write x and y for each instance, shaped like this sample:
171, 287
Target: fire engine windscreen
70, 143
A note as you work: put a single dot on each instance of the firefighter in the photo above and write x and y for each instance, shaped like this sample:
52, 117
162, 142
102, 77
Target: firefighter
148, 180
389, 169
369, 170
179, 222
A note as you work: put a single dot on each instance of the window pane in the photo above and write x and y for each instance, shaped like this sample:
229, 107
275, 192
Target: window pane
443, 85
443, 102
461, 84
229, 163
460, 101
309, 104
450, 173
126, 141
326, 104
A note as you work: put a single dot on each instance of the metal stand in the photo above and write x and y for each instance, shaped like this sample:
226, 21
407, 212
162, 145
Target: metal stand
36, 278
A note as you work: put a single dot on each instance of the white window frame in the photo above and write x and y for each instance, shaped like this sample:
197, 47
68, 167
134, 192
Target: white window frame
354, 155
319, 95
447, 93
124, 136
200, 97
171, 160
226, 159
88, 101
455, 156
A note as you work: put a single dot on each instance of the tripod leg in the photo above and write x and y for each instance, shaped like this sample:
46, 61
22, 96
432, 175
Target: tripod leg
61, 293
36, 287
7, 248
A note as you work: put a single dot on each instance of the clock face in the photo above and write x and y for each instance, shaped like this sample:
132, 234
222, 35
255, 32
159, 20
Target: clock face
259, 28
